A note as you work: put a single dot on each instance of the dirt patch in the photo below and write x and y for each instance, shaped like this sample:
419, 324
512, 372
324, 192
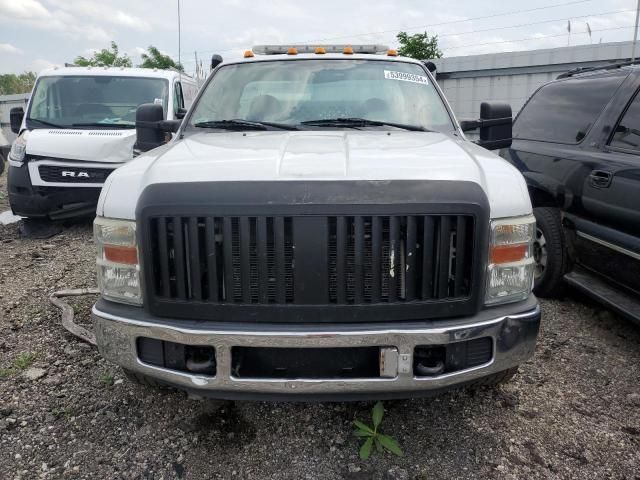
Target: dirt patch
573, 411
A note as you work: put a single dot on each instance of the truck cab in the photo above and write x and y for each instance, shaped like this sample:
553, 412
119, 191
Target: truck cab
79, 126
318, 228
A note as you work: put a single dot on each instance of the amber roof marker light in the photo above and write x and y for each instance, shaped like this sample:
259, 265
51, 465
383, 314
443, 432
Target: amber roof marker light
320, 50
248, 54
292, 51
392, 53
348, 50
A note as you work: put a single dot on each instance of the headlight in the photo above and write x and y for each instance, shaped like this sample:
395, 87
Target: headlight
118, 267
19, 148
511, 264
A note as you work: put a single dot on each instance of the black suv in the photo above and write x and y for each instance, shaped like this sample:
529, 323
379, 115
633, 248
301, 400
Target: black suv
577, 143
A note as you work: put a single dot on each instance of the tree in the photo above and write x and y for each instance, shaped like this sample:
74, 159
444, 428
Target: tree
419, 46
156, 59
104, 58
11, 83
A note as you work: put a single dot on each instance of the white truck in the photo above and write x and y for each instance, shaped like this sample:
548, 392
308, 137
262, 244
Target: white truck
318, 228
79, 127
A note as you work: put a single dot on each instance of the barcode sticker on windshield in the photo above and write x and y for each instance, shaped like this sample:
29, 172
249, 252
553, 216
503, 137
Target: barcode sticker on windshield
405, 77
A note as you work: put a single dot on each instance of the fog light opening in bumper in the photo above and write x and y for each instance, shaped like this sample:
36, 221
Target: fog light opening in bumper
434, 360
196, 359
429, 361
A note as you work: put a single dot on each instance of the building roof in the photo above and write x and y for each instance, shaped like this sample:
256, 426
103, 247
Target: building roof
545, 60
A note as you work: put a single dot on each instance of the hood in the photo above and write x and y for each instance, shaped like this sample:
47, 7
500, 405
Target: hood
103, 145
317, 155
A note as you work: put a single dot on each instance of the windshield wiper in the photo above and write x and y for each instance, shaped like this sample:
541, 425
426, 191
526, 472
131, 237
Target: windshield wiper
361, 122
239, 124
105, 125
46, 124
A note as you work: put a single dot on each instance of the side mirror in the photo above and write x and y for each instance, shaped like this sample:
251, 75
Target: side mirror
181, 112
16, 115
151, 126
495, 125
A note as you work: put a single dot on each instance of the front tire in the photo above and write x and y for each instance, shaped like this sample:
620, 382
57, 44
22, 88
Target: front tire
549, 252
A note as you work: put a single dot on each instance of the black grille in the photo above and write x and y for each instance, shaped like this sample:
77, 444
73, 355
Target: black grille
59, 174
399, 258
364, 259
223, 259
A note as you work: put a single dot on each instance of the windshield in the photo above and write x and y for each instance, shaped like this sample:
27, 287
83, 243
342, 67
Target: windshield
93, 101
298, 91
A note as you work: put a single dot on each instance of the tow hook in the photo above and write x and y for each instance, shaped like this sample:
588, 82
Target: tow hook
430, 370
429, 361
200, 360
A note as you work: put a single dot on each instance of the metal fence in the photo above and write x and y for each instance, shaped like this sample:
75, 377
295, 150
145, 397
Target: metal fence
513, 76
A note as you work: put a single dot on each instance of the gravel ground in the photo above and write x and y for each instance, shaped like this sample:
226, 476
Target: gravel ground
571, 412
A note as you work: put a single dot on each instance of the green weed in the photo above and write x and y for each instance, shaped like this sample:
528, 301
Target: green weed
107, 379
373, 437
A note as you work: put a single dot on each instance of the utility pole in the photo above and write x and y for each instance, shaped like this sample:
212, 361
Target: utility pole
635, 33
197, 69
179, 49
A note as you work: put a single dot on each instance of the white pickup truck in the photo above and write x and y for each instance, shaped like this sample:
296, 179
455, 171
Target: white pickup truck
318, 228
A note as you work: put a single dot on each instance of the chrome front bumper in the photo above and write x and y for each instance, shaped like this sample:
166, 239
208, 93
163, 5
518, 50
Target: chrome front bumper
514, 336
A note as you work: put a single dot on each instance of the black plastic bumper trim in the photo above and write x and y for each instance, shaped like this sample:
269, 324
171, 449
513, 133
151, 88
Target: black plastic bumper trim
28, 200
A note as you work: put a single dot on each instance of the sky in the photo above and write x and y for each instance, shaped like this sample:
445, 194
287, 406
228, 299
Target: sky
37, 34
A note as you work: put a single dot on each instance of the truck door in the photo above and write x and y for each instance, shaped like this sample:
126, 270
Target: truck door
611, 198
178, 98
611, 192
552, 137
189, 93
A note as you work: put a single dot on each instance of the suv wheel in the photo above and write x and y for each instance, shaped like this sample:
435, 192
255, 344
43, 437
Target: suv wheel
549, 253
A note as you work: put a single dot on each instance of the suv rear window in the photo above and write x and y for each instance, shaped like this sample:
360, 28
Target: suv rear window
563, 112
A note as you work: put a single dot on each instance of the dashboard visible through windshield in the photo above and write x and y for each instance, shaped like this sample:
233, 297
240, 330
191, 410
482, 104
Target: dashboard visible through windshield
322, 94
93, 101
